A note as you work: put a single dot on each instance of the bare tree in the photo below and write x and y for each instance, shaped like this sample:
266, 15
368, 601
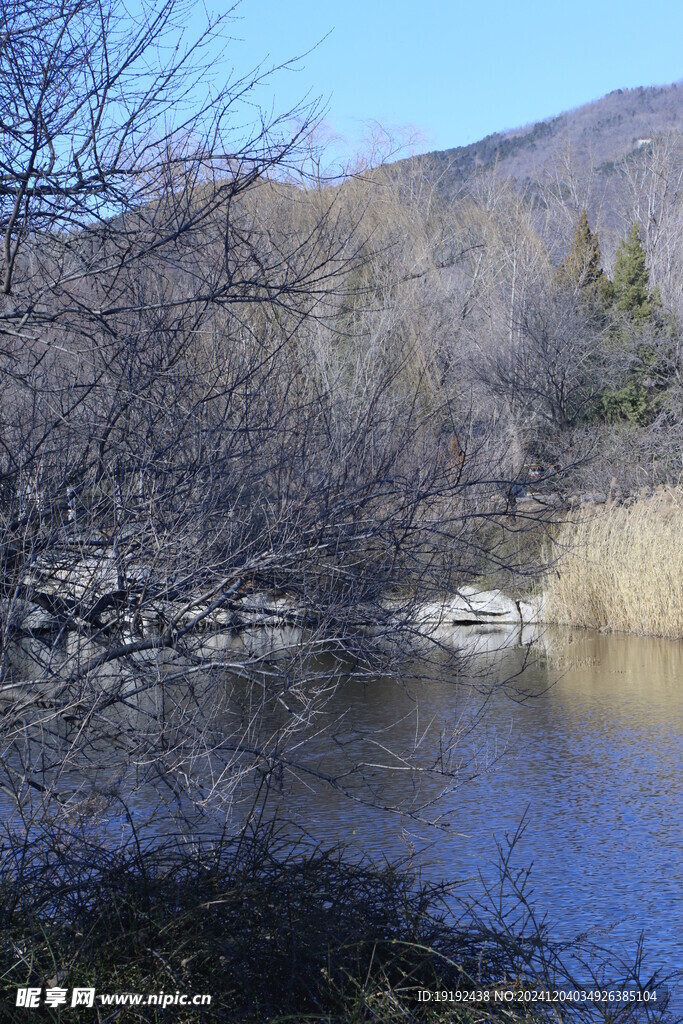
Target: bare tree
203, 440
654, 200
558, 367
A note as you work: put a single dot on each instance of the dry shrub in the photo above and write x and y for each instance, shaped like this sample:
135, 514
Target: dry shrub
620, 568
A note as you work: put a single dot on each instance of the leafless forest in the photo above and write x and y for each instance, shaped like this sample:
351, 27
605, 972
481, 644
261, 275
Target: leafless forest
254, 417
236, 393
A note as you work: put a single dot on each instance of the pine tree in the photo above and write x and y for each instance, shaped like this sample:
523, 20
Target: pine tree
582, 267
632, 280
636, 398
583, 262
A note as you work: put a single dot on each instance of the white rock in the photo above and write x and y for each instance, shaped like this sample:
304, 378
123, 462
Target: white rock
531, 611
479, 606
38, 620
468, 607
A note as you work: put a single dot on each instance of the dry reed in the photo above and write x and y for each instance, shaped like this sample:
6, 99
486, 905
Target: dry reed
620, 567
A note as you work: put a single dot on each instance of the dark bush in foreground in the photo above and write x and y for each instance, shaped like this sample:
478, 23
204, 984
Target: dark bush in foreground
308, 937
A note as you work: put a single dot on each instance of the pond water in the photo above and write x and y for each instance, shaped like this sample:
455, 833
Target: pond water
588, 741
581, 735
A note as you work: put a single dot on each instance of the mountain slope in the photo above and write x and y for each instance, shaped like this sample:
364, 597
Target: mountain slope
596, 136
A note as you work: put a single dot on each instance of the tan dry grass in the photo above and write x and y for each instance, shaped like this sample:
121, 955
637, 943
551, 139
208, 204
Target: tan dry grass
621, 568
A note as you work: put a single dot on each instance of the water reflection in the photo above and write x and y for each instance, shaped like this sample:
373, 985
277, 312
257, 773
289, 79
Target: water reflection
583, 732
588, 738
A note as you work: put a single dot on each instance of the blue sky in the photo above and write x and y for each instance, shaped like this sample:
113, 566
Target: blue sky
452, 70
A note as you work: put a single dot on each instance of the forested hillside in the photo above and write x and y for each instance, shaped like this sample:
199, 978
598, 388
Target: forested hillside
593, 138
560, 264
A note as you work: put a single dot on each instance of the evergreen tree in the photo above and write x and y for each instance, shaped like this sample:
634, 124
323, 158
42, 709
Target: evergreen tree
581, 270
639, 308
632, 280
582, 266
